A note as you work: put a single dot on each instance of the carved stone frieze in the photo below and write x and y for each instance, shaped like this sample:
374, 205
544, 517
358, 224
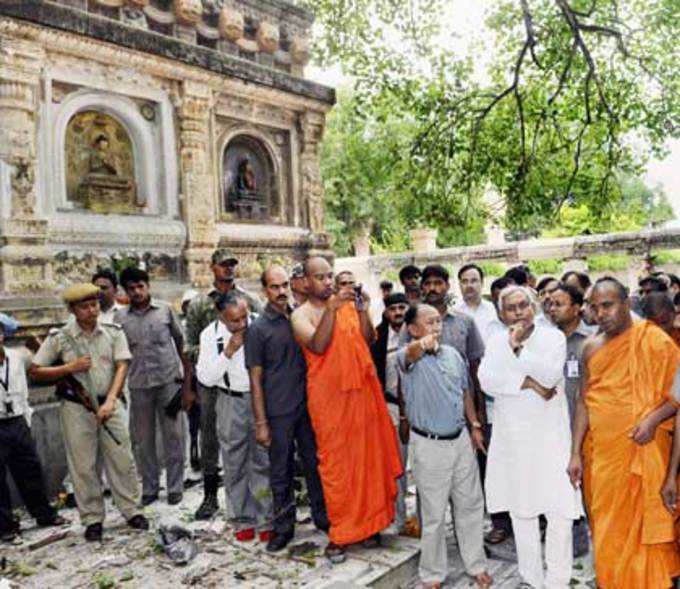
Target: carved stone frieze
231, 24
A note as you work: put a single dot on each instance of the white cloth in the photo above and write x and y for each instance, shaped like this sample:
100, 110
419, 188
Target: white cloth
212, 364
558, 551
13, 386
108, 316
531, 443
484, 315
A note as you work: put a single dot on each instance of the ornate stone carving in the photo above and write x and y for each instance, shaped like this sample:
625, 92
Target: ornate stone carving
300, 52
23, 192
231, 24
138, 3
188, 12
111, 3
267, 37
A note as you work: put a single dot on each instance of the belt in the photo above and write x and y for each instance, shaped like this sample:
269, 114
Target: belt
231, 393
6, 418
431, 436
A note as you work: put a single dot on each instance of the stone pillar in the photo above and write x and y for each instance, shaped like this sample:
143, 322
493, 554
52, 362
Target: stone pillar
197, 184
312, 126
25, 264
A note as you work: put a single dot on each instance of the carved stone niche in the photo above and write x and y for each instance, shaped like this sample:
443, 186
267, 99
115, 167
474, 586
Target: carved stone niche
249, 179
100, 169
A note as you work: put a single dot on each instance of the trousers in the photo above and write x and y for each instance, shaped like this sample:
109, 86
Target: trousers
246, 464
19, 457
83, 439
289, 432
147, 413
446, 470
210, 444
558, 551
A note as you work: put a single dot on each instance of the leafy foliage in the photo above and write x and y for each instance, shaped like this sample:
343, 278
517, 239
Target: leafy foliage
577, 94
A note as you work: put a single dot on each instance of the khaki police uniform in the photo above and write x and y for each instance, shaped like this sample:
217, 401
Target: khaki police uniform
83, 437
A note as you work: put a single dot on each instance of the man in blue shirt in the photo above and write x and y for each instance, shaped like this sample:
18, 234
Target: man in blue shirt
435, 402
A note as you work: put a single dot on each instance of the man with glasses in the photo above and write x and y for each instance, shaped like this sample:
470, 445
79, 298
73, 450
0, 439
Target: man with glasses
200, 314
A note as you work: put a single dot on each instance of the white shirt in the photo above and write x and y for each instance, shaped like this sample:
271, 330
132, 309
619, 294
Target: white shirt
13, 385
531, 442
108, 316
484, 315
212, 365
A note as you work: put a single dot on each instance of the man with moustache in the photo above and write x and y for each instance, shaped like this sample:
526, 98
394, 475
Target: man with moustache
107, 282
629, 372
96, 356
200, 313
530, 446
565, 313
221, 365
384, 350
156, 341
358, 455
278, 383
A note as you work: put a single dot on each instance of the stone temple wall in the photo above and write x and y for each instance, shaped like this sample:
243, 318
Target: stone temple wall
116, 118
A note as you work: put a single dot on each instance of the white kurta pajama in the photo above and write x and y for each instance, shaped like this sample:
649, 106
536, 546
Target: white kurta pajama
530, 450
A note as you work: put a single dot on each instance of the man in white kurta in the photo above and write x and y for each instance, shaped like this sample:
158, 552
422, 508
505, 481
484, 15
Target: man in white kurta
530, 448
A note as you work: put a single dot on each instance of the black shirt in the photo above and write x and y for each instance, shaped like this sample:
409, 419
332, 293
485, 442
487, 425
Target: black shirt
270, 344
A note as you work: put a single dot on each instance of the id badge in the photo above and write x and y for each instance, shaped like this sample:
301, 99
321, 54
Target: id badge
573, 369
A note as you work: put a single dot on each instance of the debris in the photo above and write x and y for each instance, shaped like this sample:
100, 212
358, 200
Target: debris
112, 560
104, 581
198, 570
126, 576
177, 542
303, 549
51, 539
5, 584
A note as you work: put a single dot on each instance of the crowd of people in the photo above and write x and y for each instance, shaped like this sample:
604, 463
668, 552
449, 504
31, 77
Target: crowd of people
551, 406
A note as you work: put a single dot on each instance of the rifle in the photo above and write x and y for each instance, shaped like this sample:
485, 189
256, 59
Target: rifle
70, 389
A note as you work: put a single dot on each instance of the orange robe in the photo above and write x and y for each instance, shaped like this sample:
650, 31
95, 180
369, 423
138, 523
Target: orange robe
633, 534
356, 442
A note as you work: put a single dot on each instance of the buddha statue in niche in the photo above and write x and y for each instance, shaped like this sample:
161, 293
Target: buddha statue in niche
100, 165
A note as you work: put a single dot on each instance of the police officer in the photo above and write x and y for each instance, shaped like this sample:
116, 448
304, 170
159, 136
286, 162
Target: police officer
93, 359
201, 313
17, 450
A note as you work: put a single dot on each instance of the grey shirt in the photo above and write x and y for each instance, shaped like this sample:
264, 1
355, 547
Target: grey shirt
271, 345
460, 332
573, 367
433, 390
155, 337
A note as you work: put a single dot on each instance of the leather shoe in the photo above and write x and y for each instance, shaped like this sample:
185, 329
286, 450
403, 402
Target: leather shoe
174, 498
93, 532
149, 499
278, 542
138, 522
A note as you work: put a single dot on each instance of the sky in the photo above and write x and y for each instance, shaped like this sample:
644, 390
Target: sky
467, 18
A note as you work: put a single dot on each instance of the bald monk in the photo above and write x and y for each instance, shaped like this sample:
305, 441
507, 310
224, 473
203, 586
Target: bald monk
356, 443
629, 369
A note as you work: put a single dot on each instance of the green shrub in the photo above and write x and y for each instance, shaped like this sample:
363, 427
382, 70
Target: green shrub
664, 257
548, 266
493, 269
612, 262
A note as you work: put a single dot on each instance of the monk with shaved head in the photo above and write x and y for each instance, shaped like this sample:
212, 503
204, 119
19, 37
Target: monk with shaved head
358, 456
625, 406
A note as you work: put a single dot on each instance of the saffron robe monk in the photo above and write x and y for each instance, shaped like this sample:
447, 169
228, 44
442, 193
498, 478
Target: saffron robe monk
629, 372
356, 443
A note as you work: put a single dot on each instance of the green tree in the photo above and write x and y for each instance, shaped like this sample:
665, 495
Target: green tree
569, 84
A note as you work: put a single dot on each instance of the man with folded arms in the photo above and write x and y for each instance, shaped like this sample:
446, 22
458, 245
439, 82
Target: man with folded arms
436, 401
